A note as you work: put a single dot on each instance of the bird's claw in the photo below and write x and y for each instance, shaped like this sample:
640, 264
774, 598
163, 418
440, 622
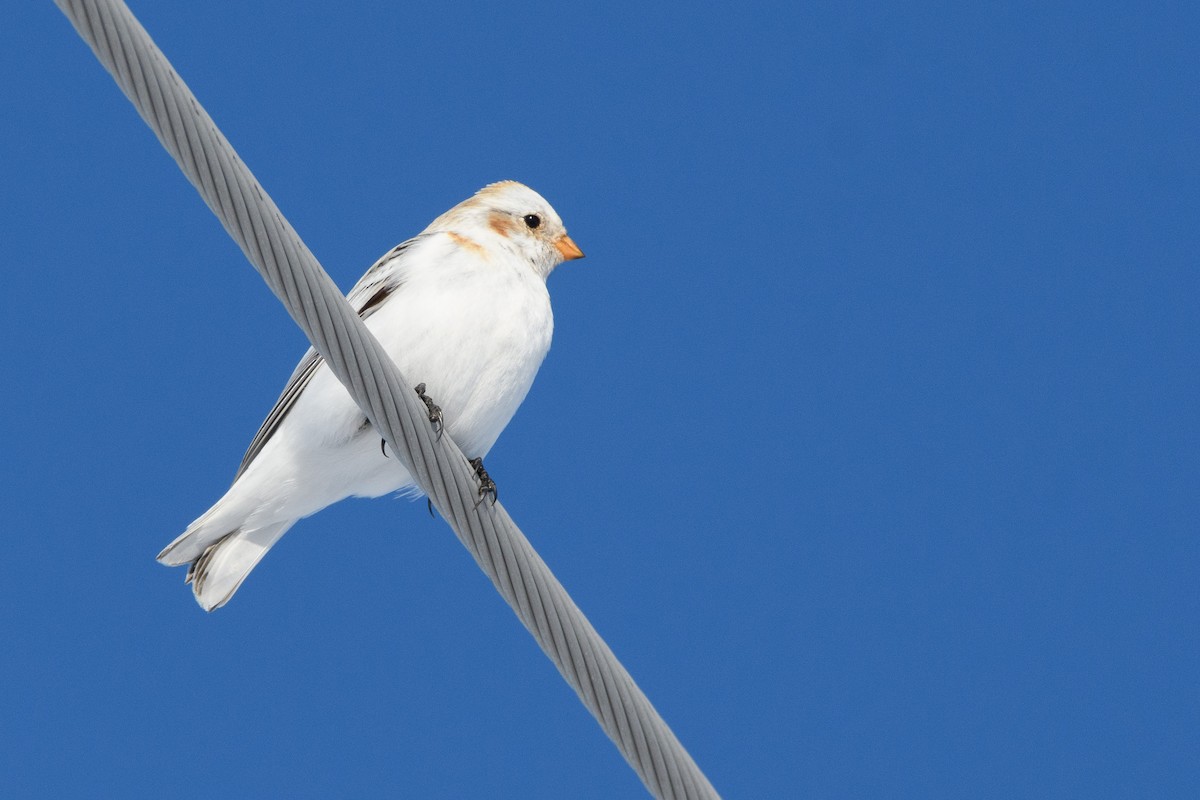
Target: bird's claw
487, 487
434, 411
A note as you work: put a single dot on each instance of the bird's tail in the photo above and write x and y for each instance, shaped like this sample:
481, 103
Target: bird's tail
221, 565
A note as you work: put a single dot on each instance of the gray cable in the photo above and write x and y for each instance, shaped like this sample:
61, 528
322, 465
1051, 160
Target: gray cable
359, 362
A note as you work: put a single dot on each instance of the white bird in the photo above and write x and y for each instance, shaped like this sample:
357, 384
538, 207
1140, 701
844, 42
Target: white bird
462, 308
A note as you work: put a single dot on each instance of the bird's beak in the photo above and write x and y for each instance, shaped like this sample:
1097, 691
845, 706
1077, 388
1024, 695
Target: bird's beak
567, 248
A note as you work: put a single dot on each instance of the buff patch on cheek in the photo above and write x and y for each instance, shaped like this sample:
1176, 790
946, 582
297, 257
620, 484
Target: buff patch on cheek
501, 224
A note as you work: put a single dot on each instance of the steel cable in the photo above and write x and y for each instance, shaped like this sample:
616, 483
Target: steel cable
359, 362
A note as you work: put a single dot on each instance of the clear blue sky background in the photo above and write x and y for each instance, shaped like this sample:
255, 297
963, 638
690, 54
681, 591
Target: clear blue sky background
868, 438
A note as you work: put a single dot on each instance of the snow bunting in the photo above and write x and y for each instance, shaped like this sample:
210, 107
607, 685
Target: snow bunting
462, 308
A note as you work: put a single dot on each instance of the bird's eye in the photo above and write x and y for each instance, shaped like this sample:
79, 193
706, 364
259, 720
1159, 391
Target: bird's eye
532, 220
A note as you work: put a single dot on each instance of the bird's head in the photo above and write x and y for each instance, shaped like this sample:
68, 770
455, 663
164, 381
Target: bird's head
509, 216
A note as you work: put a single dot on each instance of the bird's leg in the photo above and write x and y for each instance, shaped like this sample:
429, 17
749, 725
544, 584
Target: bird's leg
486, 485
435, 416
435, 412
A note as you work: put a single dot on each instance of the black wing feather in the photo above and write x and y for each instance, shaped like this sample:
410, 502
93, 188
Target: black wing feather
300, 378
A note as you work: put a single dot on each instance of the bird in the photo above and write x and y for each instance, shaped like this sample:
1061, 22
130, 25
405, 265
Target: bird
461, 307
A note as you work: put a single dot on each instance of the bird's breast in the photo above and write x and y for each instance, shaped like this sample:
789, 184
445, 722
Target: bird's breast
476, 339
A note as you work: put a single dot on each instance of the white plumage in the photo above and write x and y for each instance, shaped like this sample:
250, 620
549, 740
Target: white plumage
462, 308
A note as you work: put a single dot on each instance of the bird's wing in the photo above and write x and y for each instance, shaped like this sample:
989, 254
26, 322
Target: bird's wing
383, 278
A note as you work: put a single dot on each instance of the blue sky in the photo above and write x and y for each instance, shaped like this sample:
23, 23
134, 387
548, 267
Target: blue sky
868, 439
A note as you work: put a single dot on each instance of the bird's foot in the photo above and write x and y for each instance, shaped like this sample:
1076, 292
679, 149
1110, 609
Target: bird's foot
487, 487
435, 411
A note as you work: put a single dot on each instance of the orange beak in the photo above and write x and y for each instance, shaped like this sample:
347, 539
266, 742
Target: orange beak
567, 248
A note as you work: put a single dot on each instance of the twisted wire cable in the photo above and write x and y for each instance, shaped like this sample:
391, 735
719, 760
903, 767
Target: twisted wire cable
359, 362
